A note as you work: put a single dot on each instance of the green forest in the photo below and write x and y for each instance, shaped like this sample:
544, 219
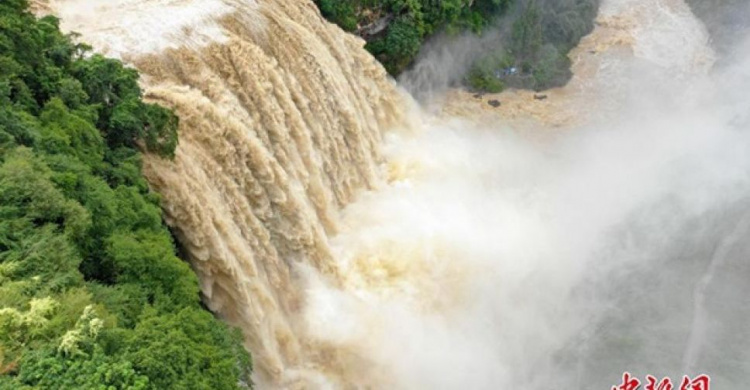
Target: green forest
531, 51
92, 294
409, 23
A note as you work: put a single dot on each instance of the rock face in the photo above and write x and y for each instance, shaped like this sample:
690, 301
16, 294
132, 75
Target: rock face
375, 28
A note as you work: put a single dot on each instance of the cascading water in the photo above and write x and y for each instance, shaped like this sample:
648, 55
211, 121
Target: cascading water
281, 124
359, 242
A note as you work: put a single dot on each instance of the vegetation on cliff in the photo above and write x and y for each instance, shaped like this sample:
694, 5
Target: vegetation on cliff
92, 294
396, 29
530, 51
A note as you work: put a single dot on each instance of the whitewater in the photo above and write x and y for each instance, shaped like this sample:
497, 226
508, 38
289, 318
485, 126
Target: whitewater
363, 240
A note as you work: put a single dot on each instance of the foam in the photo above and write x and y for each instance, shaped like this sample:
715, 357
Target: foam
123, 28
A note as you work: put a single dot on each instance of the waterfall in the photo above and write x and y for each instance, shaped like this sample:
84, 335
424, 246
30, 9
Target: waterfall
281, 121
359, 242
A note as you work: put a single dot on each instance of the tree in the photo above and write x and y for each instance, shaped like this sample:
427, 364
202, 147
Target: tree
90, 286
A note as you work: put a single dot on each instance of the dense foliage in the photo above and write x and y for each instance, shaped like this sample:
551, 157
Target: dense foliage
533, 53
91, 292
530, 52
409, 23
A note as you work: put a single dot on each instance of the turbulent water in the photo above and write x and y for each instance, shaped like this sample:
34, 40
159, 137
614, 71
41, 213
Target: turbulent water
281, 121
360, 242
